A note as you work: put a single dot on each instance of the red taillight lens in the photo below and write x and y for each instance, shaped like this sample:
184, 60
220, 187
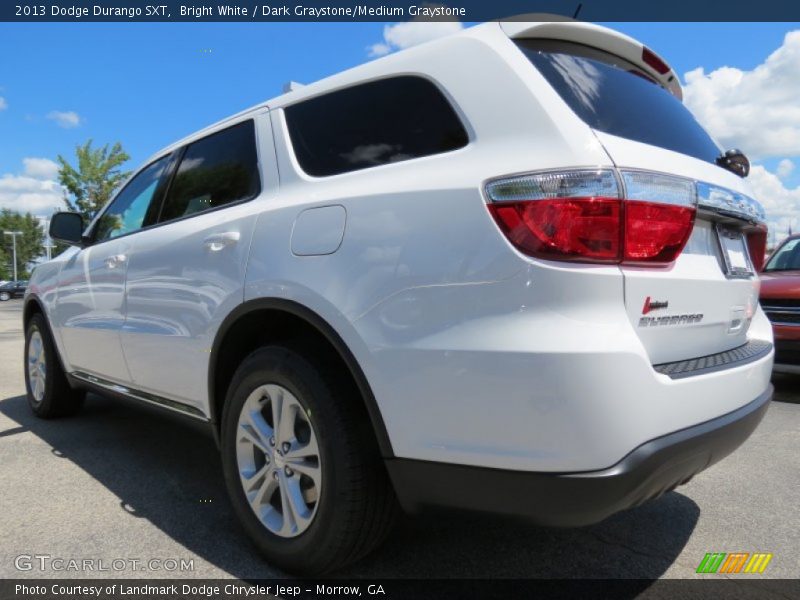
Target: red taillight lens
591, 229
652, 59
581, 215
656, 233
757, 246
583, 229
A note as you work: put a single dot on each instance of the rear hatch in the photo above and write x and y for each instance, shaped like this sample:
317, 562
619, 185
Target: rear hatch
702, 302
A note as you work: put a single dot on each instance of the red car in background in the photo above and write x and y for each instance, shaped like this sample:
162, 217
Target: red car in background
780, 299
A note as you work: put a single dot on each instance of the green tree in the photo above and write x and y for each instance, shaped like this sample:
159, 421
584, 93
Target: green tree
30, 245
97, 175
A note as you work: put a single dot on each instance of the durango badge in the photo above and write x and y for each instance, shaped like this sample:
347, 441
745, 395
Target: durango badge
670, 320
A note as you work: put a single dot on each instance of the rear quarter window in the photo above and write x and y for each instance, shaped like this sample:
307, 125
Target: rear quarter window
615, 96
372, 124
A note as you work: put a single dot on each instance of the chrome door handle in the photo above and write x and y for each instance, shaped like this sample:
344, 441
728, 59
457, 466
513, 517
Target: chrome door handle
218, 241
112, 262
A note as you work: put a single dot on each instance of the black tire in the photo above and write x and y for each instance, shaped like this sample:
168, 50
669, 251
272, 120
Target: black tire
5, 296
59, 399
357, 505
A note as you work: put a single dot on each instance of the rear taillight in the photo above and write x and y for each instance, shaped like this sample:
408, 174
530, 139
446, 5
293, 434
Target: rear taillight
584, 216
757, 246
659, 216
583, 229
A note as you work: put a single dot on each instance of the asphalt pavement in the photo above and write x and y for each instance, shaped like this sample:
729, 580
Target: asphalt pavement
125, 483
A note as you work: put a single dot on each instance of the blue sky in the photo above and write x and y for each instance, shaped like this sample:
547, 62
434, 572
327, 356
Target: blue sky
148, 84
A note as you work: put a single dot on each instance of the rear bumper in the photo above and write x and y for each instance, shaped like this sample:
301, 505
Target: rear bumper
574, 499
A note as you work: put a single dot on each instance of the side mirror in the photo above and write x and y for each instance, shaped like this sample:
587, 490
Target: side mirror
67, 227
736, 162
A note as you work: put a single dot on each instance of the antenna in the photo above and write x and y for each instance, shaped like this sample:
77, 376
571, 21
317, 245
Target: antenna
291, 86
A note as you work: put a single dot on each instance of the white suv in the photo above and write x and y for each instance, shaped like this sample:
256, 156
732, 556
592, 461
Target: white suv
504, 271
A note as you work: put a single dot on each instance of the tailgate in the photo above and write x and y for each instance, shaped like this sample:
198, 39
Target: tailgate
696, 307
702, 302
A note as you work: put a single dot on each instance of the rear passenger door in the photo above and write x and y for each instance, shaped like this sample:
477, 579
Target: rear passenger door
187, 272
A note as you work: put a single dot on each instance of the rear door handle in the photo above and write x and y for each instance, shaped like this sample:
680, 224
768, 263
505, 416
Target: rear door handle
117, 260
218, 241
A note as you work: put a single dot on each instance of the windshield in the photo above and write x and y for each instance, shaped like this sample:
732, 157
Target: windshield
613, 95
786, 257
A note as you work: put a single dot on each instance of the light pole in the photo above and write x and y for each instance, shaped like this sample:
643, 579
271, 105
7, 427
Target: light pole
14, 235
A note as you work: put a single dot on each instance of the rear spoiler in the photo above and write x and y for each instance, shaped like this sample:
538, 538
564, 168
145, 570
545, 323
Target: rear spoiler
601, 38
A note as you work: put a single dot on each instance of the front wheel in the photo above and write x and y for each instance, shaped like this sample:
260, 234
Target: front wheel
4, 296
49, 393
301, 464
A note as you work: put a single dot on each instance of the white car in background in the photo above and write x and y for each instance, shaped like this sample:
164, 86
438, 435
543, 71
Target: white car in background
505, 271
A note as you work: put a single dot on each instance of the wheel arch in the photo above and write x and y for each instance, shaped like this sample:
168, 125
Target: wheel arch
264, 311
32, 305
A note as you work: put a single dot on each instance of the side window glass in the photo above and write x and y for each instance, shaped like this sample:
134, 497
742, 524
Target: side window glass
215, 171
129, 208
372, 124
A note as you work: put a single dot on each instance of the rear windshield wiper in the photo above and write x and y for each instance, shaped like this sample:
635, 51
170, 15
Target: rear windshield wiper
735, 161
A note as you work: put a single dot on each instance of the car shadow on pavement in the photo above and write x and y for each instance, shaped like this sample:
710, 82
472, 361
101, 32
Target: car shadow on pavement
167, 470
786, 387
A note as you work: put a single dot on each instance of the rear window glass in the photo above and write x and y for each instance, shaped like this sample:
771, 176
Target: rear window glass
373, 124
615, 96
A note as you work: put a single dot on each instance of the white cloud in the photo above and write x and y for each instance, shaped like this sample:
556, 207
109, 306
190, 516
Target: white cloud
756, 111
3, 103
379, 49
410, 33
781, 203
785, 168
40, 168
35, 191
67, 120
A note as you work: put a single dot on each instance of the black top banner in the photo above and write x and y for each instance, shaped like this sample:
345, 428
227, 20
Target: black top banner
398, 10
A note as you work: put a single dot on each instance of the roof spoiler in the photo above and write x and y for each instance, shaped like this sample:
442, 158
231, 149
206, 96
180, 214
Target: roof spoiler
588, 34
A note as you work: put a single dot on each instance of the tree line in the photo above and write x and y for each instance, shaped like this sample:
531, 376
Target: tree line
88, 185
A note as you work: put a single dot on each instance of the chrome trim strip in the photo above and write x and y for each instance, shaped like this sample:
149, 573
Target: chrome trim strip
727, 202
141, 396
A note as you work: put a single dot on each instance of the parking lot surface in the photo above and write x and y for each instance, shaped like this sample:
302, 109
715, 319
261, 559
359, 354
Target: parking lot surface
124, 482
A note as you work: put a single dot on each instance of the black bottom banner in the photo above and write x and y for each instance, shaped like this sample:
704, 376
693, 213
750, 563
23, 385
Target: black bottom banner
393, 589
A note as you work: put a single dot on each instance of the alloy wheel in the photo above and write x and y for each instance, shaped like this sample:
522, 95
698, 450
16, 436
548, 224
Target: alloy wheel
37, 366
279, 460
